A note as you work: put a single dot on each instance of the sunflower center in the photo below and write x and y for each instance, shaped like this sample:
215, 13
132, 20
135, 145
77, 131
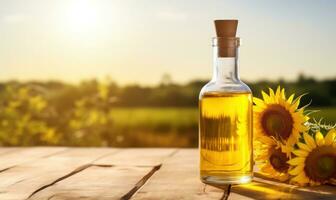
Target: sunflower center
279, 160
277, 122
320, 164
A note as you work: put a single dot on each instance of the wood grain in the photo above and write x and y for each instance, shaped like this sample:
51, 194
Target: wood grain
6, 151
21, 181
95, 183
17, 156
112, 177
178, 178
137, 157
146, 173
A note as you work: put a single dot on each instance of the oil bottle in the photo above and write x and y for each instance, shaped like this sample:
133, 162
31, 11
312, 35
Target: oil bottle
225, 115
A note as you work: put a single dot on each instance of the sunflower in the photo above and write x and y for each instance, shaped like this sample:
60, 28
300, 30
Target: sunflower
278, 117
271, 160
315, 161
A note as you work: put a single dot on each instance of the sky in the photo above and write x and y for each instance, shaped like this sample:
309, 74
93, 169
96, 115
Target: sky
137, 41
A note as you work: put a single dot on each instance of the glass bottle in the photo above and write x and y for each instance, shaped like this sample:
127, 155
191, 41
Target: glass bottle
225, 124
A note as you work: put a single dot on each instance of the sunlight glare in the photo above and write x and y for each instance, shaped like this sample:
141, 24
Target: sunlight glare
82, 16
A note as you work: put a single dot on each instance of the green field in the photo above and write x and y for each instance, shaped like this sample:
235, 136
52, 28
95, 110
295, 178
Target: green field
162, 127
327, 113
176, 117
172, 117
171, 126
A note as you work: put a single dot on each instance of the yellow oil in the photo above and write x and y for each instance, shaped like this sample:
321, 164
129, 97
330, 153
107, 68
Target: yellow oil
226, 138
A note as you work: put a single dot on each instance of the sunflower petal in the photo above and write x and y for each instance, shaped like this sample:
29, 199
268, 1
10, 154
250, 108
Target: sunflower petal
290, 99
287, 149
257, 109
278, 92
301, 178
262, 157
267, 169
272, 95
258, 102
307, 118
296, 161
297, 170
304, 146
309, 140
330, 137
296, 104
300, 153
283, 94
265, 97
319, 139
266, 140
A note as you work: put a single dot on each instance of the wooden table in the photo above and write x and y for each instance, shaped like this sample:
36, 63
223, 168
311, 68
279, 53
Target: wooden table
57, 173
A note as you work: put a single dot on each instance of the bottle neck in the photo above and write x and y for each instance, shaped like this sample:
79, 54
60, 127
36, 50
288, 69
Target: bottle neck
225, 60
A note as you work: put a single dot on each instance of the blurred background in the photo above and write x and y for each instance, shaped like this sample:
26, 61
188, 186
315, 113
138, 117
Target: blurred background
126, 73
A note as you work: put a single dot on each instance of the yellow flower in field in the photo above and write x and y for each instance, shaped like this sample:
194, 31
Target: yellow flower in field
279, 118
270, 159
315, 161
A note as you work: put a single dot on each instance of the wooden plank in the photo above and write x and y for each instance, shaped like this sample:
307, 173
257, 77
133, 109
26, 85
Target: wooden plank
138, 157
17, 156
236, 196
111, 177
95, 183
7, 150
268, 189
96, 173
21, 181
178, 178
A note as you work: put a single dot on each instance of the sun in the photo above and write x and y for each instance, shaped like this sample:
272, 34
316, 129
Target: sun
81, 16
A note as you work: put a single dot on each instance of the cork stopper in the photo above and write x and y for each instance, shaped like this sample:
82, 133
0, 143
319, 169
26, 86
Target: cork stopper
226, 28
226, 40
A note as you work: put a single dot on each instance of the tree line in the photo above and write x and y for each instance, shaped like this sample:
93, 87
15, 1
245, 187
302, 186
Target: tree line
319, 93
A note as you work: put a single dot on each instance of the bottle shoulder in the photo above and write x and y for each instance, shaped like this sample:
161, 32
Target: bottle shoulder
234, 87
